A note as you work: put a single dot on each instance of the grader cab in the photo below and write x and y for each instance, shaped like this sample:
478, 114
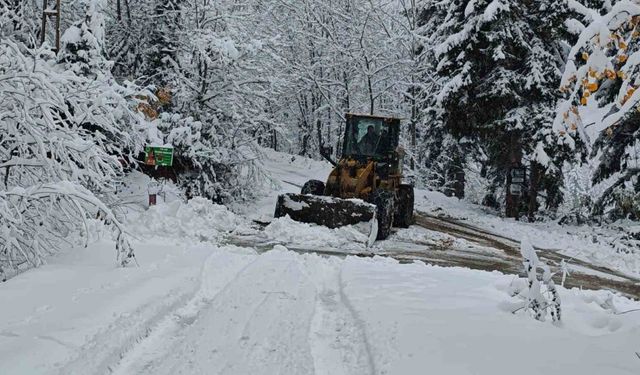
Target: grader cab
365, 185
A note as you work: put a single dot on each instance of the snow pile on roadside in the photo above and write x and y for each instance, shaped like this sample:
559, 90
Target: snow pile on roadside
198, 219
297, 234
134, 189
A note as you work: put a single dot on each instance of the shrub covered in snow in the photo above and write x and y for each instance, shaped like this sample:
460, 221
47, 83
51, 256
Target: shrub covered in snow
206, 161
539, 296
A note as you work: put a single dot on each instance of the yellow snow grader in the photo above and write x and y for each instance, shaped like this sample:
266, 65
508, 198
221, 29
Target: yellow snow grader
365, 185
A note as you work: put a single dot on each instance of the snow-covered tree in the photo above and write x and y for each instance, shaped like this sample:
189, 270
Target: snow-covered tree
500, 65
82, 47
216, 107
19, 20
128, 38
53, 168
602, 106
417, 81
164, 40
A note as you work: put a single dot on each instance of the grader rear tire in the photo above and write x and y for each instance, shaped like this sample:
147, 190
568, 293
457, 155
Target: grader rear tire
403, 217
385, 207
313, 187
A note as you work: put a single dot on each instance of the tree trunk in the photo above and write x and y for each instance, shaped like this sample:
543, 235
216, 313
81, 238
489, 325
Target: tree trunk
414, 118
456, 174
128, 8
274, 139
460, 182
319, 133
534, 187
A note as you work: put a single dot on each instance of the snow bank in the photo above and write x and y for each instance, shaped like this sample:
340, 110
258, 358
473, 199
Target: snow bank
297, 234
199, 219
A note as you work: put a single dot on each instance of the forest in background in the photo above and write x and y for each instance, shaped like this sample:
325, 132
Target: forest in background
482, 86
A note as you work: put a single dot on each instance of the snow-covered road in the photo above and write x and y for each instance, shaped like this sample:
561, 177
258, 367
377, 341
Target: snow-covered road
280, 312
198, 306
269, 314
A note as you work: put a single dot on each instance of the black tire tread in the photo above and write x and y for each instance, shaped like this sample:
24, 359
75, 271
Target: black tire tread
313, 187
385, 208
403, 217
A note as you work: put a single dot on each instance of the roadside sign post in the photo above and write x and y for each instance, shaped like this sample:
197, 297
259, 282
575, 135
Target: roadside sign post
515, 189
518, 175
157, 156
516, 181
153, 193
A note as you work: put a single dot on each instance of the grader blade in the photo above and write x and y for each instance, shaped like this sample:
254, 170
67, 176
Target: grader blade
327, 211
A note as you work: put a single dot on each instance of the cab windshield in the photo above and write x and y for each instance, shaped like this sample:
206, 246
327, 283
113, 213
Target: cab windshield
369, 137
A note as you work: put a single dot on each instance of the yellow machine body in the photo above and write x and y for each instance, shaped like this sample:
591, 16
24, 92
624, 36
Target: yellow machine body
370, 170
358, 179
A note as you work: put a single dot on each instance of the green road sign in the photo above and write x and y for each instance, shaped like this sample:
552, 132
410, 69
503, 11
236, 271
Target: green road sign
162, 156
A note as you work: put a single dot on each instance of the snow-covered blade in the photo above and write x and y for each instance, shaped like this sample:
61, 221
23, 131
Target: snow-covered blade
327, 211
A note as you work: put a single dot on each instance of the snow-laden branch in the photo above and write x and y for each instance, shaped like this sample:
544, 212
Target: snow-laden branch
57, 131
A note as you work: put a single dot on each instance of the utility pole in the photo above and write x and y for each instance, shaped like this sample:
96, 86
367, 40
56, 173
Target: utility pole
53, 14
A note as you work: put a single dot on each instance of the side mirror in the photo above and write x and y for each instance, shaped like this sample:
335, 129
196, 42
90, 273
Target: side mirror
326, 151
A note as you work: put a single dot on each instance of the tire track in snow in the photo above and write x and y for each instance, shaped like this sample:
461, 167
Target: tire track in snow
336, 336
259, 336
359, 322
257, 325
164, 334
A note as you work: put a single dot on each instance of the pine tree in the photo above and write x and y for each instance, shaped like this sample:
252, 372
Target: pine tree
499, 66
82, 44
440, 155
164, 39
